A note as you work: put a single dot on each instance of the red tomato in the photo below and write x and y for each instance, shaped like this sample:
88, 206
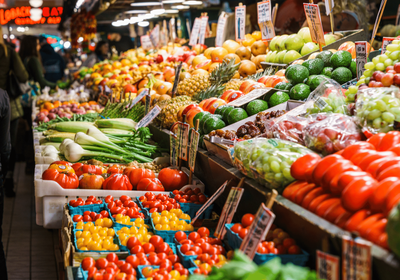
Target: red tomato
112, 257
163, 248
133, 260
147, 184
173, 179
197, 250
180, 235
292, 188
132, 242
173, 258
117, 182
356, 195
304, 165
322, 166
351, 150
194, 236
154, 259
67, 180
388, 141
166, 264
354, 221
376, 139
236, 228
148, 248
87, 263
136, 249
204, 232
135, 175
243, 232
294, 250
313, 194
247, 220
77, 218
101, 263
87, 168
156, 240
127, 268
113, 169
185, 248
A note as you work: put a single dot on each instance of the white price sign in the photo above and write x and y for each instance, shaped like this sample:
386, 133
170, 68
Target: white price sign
386, 41
314, 22
329, 4
203, 28
173, 153
183, 136
149, 117
139, 97
155, 36
220, 37
264, 11
195, 32
194, 144
361, 57
240, 23
146, 42
356, 258
327, 266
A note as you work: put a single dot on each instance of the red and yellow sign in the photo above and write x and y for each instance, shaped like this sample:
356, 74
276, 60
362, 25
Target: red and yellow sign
21, 15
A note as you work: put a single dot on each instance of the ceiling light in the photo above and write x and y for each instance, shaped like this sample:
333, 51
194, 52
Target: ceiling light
180, 7
80, 39
5, 36
36, 3
157, 11
144, 23
36, 14
136, 12
172, 1
143, 4
115, 23
67, 45
193, 3
133, 20
171, 11
146, 16
61, 42
12, 36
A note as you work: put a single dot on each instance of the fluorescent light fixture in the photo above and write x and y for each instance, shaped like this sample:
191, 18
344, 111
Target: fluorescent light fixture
26, 28
144, 23
136, 12
157, 11
67, 45
147, 16
180, 7
171, 11
193, 3
80, 39
126, 21
12, 36
172, 1
36, 3
79, 4
115, 23
133, 20
144, 4
5, 36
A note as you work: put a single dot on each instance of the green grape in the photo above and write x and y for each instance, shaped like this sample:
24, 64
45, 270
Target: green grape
327, 109
397, 60
380, 66
394, 55
278, 177
369, 66
380, 105
375, 60
286, 174
374, 114
266, 168
365, 113
367, 80
388, 117
274, 158
351, 97
395, 42
383, 57
275, 167
386, 98
265, 159
368, 73
388, 62
377, 123
353, 89
394, 102
361, 81
388, 53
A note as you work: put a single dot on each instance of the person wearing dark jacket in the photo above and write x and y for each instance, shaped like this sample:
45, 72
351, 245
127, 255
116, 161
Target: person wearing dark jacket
52, 62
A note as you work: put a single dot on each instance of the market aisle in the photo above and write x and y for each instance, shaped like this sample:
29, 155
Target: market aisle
29, 247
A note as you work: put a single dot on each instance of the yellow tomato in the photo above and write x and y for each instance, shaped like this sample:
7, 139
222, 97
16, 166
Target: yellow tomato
78, 234
157, 220
110, 232
166, 227
99, 222
158, 227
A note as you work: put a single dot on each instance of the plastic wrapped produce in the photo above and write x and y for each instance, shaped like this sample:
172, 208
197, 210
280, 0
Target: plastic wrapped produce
287, 127
378, 109
331, 133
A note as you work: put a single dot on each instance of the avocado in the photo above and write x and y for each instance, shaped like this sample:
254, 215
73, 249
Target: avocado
342, 75
308, 80
278, 98
353, 68
327, 71
341, 59
219, 109
236, 115
296, 73
326, 57
226, 113
314, 66
300, 92
203, 120
199, 116
213, 123
256, 106
283, 86
316, 81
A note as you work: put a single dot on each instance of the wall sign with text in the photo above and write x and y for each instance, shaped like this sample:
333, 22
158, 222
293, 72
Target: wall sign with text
21, 15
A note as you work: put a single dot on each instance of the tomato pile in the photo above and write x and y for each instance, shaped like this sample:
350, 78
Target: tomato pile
89, 216
124, 206
200, 242
155, 245
159, 202
190, 196
142, 234
205, 262
95, 238
162, 273
80, 202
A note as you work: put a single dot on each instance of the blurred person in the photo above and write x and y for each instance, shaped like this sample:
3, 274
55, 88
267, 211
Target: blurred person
52, 62
122, 43
10, 60
100, 53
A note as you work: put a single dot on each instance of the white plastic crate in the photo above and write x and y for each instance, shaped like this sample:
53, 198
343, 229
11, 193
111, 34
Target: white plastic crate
40, 159
50, 197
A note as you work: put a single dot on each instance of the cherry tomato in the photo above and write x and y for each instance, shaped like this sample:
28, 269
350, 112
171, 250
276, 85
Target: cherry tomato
204, 232
112, 257
148, 248
156, 240
243, 232
101, 263
294, 250
194, 236
133, 260
185, 248
166, 264
163, 248
136, 249
304, 165
247, 220
236, 228
77, 218
154, 260
180, 235
87, 263
173, 258
197, 249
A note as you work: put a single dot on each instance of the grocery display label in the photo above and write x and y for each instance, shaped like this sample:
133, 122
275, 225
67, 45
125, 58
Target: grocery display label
155, 36
228, 211
361, 57
173, 154
386, 41
314, 22
356, 258
183, 136
146, 42
220, 37
176, 81
254, 94
103, 99
398, 17
149, 117
257, 231
264, 11
329, 4
240, 23
195, 32
139, 97
327, 266
210, 201
194, 144
320, 103
203, 28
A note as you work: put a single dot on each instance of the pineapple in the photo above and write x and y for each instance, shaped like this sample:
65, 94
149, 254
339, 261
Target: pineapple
233, 84
192, 85
169, 114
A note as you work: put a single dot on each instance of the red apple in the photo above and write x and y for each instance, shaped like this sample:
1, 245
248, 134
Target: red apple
391, 71
396, 79
330, 133
396, 67
377, 75
389, 68
387, 80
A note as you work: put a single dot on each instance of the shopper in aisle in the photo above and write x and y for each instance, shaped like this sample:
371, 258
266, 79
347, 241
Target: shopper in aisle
53, 63
100, 53
30, 55
122, 43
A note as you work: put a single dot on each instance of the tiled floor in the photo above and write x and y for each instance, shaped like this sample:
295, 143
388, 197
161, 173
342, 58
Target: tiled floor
29, 248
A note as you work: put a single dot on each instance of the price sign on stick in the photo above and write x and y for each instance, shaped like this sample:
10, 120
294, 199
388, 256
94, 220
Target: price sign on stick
356, 258
240, 23
210, 201
385, 42
149, 117
314, 22
220, 37
398, 16
203, 28
176, 81
183, 135
229, 209
146, 42
194, 144
327, 266
361, 57
329, 4
155, 36
195, 32
139, 97
264, 20
173, 155
258, 231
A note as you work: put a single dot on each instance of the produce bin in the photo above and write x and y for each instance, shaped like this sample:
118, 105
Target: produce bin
192, 208
186, 260
167, 235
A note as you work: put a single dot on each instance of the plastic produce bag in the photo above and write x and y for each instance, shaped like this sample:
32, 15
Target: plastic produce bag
378, 109
331, 133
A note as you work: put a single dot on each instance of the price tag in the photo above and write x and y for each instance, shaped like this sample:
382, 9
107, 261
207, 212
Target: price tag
194, 144
210, 201
240, 22
139, 97
172, 28
176, 81
386, 41
264, 11
258, 231
183, 136
327, 266
149, 117
314, 22
163, 38
361, 57
220, 37
398, 17
203, 28
228, 211
146, 42
173, 155
103, 99
195, 32
155, 36
250, 96
329, 4
356, 258
147, 104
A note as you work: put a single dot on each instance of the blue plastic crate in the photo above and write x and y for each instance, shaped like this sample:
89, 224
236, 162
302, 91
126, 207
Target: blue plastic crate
191, 270
75, 223
167, 235
186, 260
192, 208
82, 274
92, 207
234, 240
144, 211
193, 264
78, 250
140, 268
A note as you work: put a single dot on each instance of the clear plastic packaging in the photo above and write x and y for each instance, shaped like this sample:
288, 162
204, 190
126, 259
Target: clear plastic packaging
331, 133
378, 109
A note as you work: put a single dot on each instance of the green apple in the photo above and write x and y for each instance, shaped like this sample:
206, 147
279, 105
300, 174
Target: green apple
294, 42
290, 56
280, 44
279, 56
305, 34
272, 44
309, 48
329, 39
267, 58
272, 57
